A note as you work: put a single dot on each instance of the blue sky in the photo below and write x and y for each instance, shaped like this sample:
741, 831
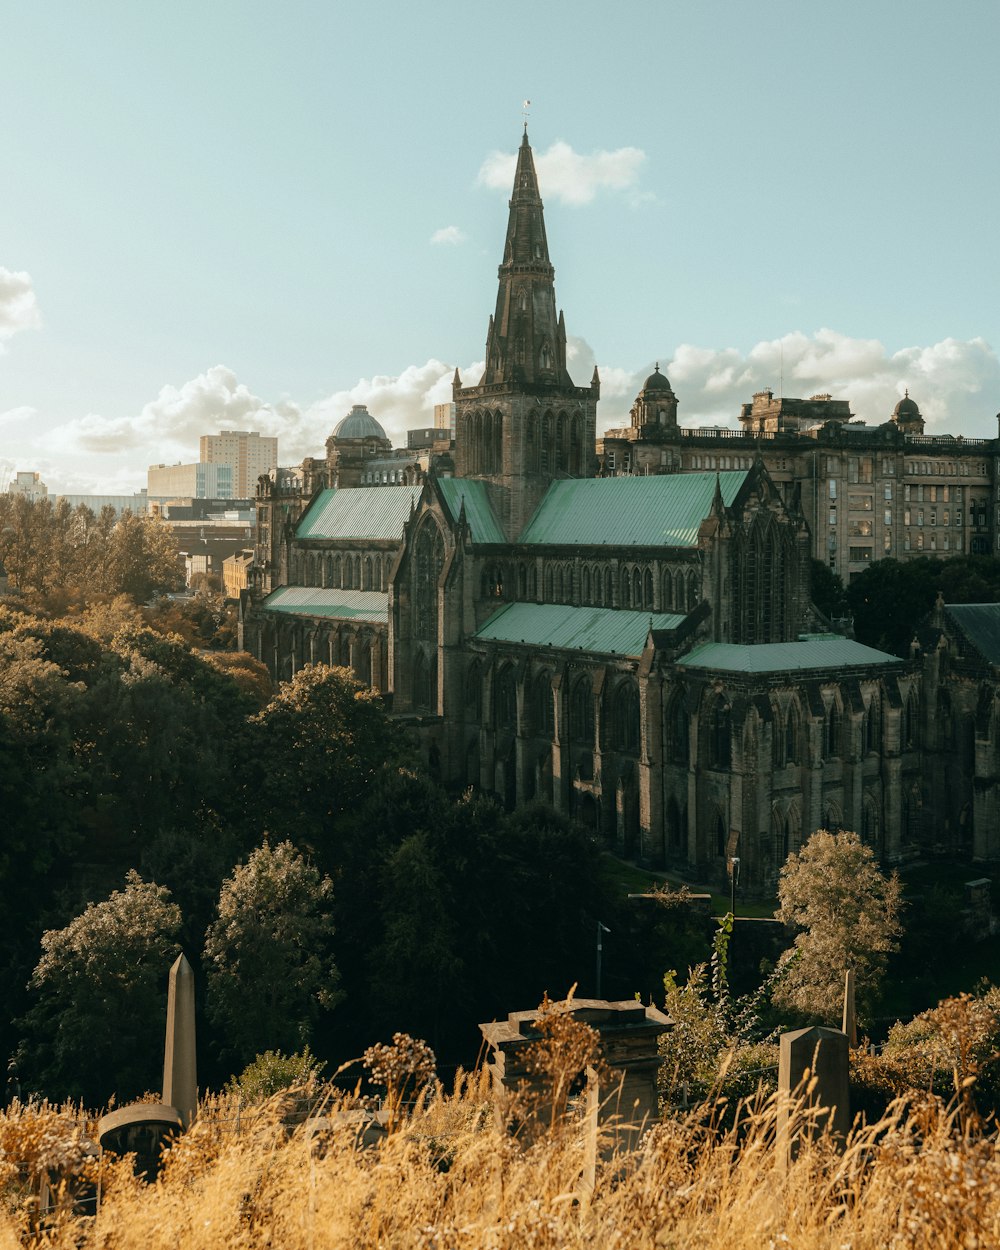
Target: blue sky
224, 215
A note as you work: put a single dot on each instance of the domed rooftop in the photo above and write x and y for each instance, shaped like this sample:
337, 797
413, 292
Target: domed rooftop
906, 409
656, 381
359, 423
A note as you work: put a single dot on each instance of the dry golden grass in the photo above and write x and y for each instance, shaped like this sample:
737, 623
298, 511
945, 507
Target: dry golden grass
454, 1177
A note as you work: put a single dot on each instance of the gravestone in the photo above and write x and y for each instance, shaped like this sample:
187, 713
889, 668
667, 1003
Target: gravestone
813, 1071
629, 1033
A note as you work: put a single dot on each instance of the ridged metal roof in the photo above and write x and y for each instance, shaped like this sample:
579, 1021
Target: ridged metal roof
830, 651
368, 512
661, 511
601, 630
360, 605
980, 622
482, 521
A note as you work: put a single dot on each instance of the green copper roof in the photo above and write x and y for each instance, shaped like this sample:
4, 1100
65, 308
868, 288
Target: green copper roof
483, 524
602, 630
832, 651
371, 512
361, 605
662, 511
980, 622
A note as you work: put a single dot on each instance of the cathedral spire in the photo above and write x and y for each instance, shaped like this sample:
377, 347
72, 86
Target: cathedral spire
526, 342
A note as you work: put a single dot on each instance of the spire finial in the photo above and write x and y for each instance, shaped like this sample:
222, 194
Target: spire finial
525, 105
906, 392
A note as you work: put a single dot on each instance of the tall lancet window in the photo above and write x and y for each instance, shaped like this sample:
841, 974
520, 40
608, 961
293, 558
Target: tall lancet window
427, 570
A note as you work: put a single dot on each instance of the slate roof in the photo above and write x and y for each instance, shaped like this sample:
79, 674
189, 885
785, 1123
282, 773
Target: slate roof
980, 623
659, 511
361, 605
604, 631
479, 513
366, 512
818, 652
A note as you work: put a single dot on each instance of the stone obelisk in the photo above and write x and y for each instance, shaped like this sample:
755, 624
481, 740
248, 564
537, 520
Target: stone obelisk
180, 1074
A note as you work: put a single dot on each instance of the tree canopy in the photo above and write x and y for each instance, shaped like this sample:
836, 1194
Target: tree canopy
891, 597
268, 953
96, 1023
847, 913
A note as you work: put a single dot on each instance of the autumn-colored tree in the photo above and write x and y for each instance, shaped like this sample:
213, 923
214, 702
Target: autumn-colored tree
847, 913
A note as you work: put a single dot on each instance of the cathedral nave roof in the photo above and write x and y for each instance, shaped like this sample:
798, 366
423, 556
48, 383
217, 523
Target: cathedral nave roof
657, 511
603, 631
365, 512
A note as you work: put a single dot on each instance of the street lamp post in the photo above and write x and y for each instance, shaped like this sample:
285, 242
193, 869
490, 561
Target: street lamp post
601, 930
734, 876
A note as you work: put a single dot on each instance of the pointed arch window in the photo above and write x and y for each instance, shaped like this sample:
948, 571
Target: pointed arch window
544, 706
474, 693
719, 734
792, 735
872, 726
506, 699
582, 713
626, 589
677, 730
832, 731
626, 717
647, 589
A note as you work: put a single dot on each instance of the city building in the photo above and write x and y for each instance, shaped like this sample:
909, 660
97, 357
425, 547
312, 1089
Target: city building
247, 453
868, 492
199, 481
136, 503
29, 486
236, 573
629, 635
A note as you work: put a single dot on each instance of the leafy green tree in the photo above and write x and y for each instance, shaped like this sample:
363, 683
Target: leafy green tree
827, 590
271, 973
327, 741
890, 598
847, 913
273, 1071
100, 989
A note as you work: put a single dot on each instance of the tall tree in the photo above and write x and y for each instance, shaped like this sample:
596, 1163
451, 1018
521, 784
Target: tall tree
271, 972
327, 740
847, 913
97, 1021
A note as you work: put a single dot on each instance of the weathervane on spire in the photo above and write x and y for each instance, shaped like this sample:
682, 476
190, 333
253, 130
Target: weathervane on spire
525, 105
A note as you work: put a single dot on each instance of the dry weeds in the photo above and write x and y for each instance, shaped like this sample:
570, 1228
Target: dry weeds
454, 1177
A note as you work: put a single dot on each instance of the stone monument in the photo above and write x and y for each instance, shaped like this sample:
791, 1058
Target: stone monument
144, 1128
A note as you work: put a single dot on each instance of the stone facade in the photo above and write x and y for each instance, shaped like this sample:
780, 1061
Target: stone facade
868, 492
632, 642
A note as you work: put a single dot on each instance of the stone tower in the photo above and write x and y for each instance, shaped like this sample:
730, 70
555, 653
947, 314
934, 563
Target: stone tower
525, 424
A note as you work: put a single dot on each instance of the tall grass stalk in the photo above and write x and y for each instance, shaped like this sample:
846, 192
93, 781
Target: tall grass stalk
457, 1176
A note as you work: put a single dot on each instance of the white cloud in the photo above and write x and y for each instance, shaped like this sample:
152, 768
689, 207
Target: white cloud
398, 402
573, 177
955, 382
169, 426
18, 305
448, 234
